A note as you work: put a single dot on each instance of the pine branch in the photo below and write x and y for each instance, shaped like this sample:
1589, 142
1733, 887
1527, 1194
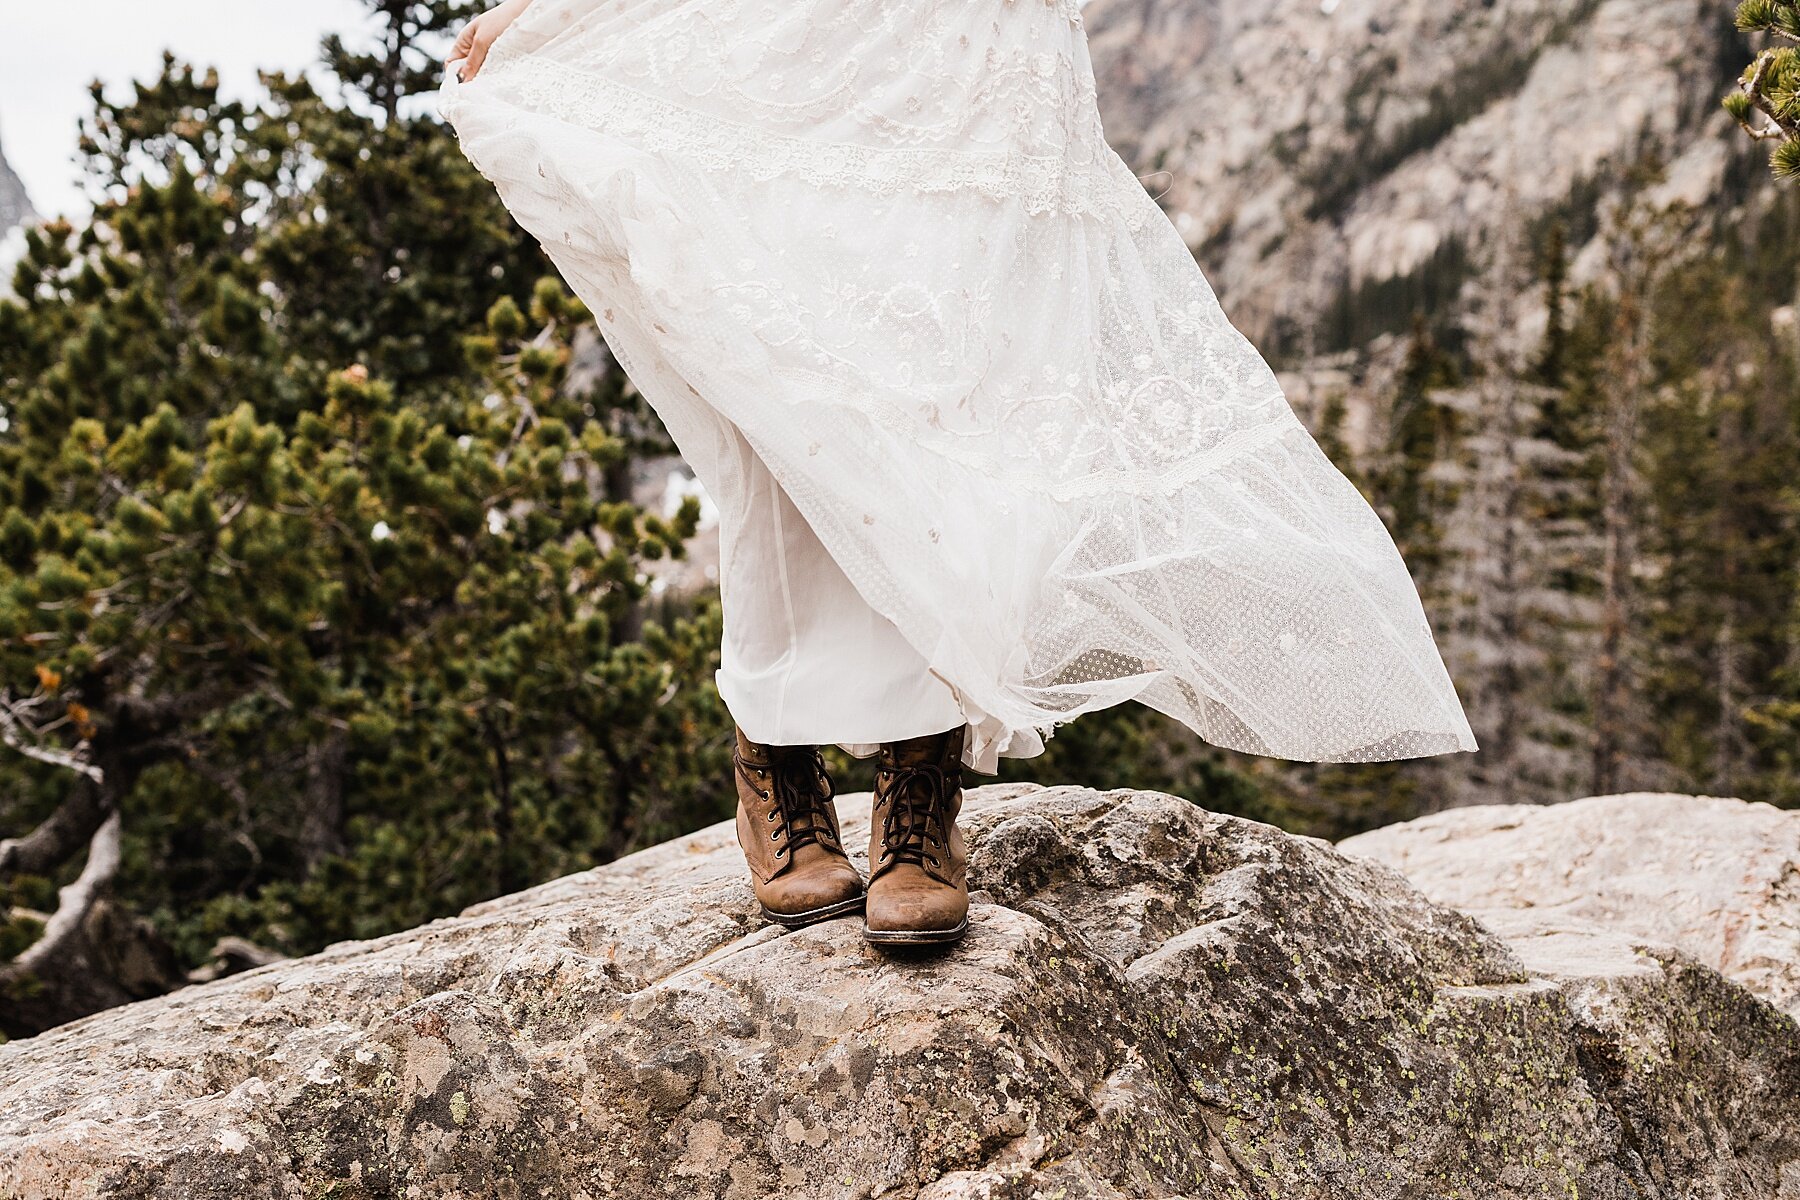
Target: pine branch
1752, 90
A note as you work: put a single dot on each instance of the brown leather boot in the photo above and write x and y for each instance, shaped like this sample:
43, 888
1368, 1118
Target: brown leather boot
788, 827
918, 866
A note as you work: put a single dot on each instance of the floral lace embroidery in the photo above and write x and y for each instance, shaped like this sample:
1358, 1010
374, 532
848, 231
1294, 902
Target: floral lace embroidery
1042, 183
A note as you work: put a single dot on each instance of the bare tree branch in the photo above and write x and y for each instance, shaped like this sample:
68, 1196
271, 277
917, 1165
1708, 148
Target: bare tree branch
17, 733
60, 836
73, 904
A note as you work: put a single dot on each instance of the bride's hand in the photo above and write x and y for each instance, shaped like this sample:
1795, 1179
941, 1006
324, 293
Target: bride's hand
478, 36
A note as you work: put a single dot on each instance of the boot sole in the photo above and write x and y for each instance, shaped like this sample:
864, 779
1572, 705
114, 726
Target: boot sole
814, 915
915, 937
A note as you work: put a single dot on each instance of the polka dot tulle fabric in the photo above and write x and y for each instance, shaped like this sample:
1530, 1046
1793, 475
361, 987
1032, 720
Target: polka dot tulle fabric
885, 245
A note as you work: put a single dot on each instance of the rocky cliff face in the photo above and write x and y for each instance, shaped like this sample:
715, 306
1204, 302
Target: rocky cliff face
1155, 1001
15, 206
1307, 148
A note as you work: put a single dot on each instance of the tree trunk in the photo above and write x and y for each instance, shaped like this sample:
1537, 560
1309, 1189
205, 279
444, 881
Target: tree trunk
1617, 523
322, 821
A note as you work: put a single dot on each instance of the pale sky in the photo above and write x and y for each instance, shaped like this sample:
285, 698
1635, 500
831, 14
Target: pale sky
50, 50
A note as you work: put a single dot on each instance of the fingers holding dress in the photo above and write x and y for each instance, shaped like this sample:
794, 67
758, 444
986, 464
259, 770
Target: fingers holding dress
476, 38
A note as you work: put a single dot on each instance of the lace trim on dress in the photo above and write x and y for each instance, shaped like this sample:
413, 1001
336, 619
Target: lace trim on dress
1027, 474
1042, 183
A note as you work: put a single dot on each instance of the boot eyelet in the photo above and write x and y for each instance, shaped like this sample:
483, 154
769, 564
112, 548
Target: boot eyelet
771, 816
775, 835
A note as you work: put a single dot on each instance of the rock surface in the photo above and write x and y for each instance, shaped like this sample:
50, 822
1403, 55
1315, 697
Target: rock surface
1718, 878
1154, 1001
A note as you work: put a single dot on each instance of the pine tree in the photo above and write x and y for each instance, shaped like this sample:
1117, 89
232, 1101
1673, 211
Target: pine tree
1723, 529
1510, 635
1641, 240
322, 611
1412, 488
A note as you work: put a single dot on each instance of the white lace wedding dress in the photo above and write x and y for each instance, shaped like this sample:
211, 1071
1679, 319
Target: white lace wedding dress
879, 253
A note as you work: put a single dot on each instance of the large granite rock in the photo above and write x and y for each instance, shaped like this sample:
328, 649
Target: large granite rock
1154, 1001
1718, 878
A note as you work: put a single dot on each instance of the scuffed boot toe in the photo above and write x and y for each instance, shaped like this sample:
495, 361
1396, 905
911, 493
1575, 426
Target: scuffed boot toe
926, 914
816, 896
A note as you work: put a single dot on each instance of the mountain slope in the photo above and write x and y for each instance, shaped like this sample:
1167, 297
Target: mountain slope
1314, 147
15, 205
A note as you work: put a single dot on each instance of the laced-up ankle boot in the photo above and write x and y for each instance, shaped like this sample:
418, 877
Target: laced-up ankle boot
918, 866
788, 827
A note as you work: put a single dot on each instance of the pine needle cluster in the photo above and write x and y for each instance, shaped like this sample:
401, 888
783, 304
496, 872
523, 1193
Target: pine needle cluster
1767, 99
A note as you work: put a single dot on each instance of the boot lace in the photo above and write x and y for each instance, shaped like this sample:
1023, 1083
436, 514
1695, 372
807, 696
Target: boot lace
917, 795
801, 788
